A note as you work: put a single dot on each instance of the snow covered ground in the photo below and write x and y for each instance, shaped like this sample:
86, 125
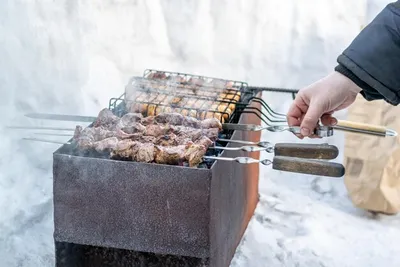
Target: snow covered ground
71, 56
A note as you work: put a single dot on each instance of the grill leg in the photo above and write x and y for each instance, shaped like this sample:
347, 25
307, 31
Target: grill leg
68, 255
74, 255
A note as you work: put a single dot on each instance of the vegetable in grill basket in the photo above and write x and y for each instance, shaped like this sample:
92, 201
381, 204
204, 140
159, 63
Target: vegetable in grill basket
188, 97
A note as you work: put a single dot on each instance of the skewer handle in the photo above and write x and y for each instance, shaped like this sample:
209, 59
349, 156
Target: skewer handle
308, 166
365, 128
307, 151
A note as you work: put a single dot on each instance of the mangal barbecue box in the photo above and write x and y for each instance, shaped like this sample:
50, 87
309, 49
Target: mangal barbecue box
111, 212
120, 213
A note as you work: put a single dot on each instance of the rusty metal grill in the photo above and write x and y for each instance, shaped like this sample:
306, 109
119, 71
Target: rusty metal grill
208, 207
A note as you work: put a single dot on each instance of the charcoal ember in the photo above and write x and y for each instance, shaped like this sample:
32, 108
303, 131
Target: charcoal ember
106, 144
145, 152
106, 119
172, 155
167, 140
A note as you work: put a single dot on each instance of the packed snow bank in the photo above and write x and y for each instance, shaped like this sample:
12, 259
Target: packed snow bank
72, 56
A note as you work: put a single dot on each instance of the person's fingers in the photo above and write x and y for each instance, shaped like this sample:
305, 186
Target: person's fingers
294, 114
311, 118
328, 120
299, 136
314, 136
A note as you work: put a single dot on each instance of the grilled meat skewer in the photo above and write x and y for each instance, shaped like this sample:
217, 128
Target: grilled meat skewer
107, 119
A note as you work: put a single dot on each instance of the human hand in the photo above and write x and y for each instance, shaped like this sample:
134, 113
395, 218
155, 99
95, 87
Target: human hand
319, 101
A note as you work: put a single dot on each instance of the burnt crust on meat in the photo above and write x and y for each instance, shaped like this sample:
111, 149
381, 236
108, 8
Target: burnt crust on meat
145, 152
168, 138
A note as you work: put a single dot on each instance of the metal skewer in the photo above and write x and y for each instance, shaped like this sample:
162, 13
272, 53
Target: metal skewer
290, 164
260, 143
299, 150
241, 160
245, 148
54, 134
321, 131
40, 128
45, 141
283, 163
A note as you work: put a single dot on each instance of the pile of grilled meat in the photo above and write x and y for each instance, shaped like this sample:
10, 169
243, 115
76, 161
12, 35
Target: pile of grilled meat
167, 138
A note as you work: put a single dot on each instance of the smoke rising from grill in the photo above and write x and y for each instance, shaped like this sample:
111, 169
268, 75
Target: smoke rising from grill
73, 56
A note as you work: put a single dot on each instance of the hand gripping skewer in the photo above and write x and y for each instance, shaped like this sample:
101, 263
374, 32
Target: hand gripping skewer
320, 131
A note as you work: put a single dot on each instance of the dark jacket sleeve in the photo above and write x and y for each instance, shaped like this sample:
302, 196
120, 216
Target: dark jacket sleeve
372, 60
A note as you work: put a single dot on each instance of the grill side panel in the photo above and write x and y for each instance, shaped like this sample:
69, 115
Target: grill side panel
128, 205
234, 197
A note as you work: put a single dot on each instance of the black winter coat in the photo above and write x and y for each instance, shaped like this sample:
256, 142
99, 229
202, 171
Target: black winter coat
372, 60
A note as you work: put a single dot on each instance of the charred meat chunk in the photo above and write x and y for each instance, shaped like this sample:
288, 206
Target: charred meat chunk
167, 140
171, 118
204, 141
106, 119
106, 144
171, 155
129, 119
156, 130
134, 127
148, 120
145, 152
194, 154
211, 123
125, 149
